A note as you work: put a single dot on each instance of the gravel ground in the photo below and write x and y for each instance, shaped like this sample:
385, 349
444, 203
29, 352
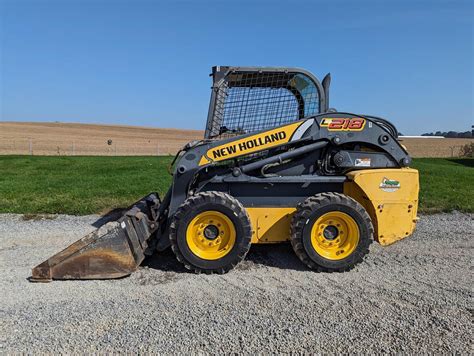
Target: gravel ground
414, 296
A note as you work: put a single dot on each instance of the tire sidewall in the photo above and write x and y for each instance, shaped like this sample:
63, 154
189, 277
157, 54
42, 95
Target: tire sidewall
231, 257
364, 234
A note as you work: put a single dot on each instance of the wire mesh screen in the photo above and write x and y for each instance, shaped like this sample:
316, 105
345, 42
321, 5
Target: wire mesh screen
247, 102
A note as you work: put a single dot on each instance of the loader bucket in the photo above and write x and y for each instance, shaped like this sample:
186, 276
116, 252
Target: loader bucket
114, 250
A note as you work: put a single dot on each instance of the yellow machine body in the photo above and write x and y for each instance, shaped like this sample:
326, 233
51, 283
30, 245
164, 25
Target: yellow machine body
390, 196
270, 225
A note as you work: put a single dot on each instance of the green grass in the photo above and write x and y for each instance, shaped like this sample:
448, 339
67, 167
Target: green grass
446, 184
78, 185
85, 185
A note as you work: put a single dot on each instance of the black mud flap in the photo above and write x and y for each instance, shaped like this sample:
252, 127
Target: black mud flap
114, 250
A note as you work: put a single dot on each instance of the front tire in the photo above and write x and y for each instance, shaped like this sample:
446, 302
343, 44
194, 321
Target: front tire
331, 232
210, 232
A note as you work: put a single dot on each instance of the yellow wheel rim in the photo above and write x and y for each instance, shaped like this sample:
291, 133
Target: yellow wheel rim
335, 235
210, 235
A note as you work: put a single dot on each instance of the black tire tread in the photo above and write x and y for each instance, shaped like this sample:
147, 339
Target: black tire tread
218, 198
304, 211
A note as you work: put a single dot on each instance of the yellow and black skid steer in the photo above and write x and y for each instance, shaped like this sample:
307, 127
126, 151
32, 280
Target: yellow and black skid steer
276, 165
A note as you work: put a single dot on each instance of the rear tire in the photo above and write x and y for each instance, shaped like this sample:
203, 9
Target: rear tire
331, 232
210, 232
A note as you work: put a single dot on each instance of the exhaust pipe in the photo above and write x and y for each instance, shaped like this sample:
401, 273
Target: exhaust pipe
326, 83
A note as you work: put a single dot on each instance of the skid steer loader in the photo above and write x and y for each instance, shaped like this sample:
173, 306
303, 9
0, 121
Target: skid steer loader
276, 165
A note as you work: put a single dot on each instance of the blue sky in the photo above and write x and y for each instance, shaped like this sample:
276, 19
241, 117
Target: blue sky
147, 62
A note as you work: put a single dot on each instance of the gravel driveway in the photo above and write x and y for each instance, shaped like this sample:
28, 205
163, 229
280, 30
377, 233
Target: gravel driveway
414, 296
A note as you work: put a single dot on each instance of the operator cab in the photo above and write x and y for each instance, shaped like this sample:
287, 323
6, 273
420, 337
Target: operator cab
251, 99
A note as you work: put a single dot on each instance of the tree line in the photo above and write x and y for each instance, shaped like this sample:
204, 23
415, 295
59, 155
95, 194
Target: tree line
451, 134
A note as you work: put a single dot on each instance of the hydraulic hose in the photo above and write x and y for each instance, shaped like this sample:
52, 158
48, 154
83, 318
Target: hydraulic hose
284, 156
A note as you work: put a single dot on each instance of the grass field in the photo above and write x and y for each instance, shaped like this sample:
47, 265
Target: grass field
85, 185
78, 185
446, 184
